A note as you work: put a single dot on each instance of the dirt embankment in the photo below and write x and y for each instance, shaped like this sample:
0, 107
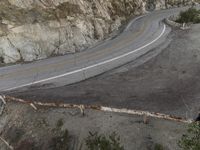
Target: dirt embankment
60, 129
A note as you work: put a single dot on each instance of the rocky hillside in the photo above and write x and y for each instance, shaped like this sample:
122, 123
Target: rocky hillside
36, 29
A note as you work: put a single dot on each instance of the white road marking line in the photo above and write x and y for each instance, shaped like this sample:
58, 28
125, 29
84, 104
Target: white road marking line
89, 67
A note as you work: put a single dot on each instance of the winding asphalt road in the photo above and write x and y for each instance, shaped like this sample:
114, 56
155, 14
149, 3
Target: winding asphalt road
141, 35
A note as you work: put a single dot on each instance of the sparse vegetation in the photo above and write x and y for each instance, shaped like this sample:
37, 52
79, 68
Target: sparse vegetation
60, 142
14, 134
60, 123
158, 147
191, 140
192, 15
100, 142
26, 145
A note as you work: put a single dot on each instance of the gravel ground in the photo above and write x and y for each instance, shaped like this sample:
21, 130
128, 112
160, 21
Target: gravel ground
165, 80
26, 129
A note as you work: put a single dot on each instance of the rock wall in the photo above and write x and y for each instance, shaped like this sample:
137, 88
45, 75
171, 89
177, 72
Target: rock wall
37, 29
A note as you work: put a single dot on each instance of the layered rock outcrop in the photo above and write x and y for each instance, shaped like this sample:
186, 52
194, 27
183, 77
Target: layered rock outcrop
37, 29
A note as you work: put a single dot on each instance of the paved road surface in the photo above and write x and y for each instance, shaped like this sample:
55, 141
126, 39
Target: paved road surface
140, 36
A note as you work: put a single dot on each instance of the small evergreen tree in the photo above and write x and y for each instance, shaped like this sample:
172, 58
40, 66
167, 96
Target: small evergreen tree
191, 141
100, 142
191, 15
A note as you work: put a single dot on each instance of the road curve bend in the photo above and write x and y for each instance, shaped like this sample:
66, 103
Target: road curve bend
141, 35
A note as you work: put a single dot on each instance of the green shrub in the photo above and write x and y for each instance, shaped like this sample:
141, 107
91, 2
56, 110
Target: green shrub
101, 142
190, 15
158, 147
191, 141
60, 142
60, 123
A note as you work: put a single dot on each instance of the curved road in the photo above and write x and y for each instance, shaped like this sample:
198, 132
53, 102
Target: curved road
141, 35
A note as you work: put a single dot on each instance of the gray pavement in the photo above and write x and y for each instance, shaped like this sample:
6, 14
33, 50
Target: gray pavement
140, 36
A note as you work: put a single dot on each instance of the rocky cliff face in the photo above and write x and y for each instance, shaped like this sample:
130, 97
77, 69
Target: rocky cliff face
36, 29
